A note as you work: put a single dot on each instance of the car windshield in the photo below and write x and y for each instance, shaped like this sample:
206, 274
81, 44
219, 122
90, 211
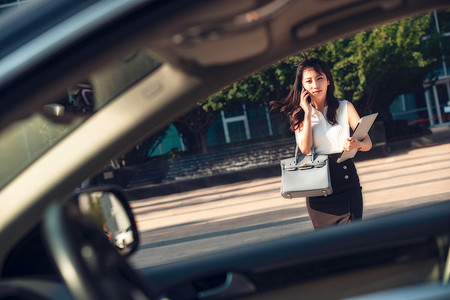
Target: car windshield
25, 140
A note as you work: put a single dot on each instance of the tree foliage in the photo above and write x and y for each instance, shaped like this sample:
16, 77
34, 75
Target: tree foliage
373, 67
271, 84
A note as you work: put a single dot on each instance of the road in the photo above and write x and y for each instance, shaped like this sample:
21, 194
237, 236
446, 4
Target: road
179, 225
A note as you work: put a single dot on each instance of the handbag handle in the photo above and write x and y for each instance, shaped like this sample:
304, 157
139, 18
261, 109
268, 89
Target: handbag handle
297, 156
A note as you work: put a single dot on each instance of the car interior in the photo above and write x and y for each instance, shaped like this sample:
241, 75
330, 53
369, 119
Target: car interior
148, 62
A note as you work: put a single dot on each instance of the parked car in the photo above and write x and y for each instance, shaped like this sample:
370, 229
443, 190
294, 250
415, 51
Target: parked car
148, 62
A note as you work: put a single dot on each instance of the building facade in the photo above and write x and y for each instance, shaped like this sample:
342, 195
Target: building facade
431, 107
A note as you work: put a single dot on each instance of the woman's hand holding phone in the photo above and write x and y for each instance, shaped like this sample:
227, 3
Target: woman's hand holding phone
305, 101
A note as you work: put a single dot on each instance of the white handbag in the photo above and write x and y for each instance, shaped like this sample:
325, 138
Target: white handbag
305, 175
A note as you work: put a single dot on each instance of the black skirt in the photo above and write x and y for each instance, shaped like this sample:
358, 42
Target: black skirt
345, 204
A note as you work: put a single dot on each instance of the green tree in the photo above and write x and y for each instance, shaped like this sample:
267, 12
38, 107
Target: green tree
373, 67
271, 84
193, 127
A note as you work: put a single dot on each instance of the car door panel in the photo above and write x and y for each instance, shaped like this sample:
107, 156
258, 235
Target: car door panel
376, 254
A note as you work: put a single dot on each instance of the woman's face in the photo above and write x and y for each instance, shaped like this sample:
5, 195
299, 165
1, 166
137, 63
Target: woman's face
315, 83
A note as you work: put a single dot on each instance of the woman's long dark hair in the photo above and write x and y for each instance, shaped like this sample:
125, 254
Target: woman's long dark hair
291, 104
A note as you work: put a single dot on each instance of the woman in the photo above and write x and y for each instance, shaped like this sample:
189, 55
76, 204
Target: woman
322, 121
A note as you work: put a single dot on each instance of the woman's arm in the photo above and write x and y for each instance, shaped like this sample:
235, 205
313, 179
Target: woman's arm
351, 143
303, 134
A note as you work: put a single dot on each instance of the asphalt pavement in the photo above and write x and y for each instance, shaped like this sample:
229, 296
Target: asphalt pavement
176, 226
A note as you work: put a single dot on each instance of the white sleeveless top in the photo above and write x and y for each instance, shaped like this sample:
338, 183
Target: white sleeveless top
330, 139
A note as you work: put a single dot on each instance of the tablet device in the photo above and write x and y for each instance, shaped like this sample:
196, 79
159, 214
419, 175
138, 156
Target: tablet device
361, 130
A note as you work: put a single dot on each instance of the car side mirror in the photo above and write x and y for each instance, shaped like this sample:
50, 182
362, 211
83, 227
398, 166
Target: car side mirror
107, 206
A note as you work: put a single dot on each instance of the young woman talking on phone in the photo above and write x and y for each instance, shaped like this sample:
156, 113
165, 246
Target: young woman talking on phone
322, 121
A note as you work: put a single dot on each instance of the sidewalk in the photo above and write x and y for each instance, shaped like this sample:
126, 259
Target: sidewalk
440, 135
224, 216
